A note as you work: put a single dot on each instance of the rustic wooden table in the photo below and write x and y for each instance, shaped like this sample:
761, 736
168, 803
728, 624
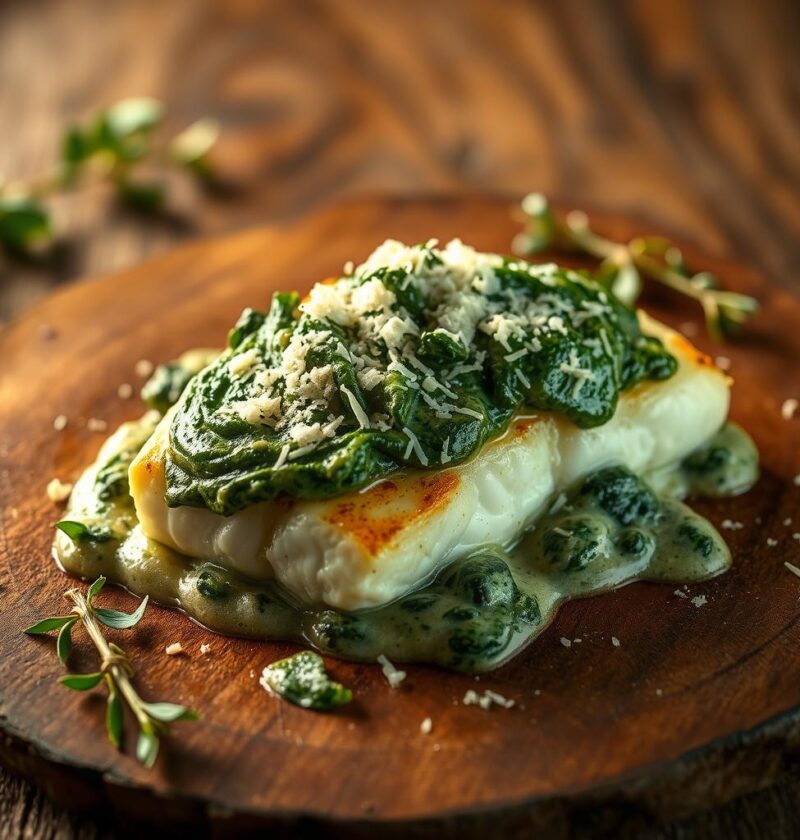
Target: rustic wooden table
686, 114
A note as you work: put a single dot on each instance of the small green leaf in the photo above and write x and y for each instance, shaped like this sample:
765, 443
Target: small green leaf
64, 641
121, 620
48, 624
191, 147
168, 712
76, 148
24, 224
79, 531
114, 718
74, 530
95, 588
134, 115
81, 682
147, 747
144, 198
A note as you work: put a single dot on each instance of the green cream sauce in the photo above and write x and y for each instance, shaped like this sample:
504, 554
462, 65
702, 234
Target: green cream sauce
609, 530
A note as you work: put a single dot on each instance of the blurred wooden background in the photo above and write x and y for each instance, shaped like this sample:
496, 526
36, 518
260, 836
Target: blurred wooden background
687, 113
684, 113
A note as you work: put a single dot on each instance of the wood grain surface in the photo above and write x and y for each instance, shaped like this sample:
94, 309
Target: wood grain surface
698, 705
682, 112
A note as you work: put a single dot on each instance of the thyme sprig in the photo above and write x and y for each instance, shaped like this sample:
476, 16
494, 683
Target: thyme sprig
623, 266
115, 670
113, 146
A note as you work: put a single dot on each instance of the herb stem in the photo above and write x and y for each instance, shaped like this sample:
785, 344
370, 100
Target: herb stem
114, 664
644, 256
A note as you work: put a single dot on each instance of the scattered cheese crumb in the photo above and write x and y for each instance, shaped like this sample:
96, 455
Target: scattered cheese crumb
792, 568
789, 408
426, 726
486, 700
699, 601
796, 480
94, 424
680, 593
125, 391
565, 641
393, 675
174, 649
723, 362
58, 491
796, 536
144, 367
615, 641
204, 649
787, 521
659, 692
732, 525
771, 542
60, 422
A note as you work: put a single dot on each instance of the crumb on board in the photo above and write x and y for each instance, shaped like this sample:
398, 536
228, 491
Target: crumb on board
60, 422
615, 641
57, 490
789, 408
680, 593
731, 525
796, 480
792, 568
723, 362
125, 391
771, 542
565, 641
787, 521
699, 601
426, 726
486, 700
144, 367
205, 648
174, 649
94, 424
394, 676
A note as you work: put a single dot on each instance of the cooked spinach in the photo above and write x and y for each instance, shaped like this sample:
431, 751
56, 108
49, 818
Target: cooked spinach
301, 679
573, 349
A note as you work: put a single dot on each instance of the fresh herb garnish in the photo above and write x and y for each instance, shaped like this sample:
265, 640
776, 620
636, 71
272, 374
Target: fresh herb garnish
80, 531
112, 146
301, 679
115, 670
623, 266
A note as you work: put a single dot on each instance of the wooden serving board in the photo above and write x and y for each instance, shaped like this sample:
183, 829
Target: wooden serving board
696, 705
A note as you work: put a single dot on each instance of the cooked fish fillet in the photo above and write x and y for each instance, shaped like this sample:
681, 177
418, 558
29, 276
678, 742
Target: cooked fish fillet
366, 548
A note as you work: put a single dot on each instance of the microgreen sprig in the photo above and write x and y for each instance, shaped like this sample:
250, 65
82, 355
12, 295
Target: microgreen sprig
113, 146
623, 266
115, 670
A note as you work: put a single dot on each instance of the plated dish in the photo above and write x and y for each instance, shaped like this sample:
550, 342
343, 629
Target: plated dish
421, 459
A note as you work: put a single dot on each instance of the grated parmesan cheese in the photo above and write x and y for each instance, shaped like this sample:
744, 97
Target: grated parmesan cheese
58, 491
789, 408
414, 444
487, 699
393, 675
